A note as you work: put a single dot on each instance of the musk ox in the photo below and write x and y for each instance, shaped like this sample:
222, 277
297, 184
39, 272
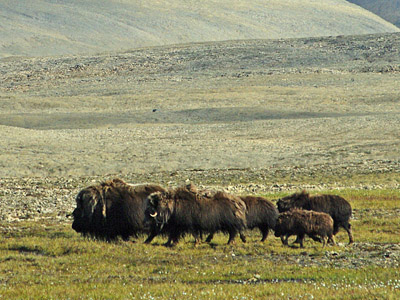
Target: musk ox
186, 210
112, 209
261, 213
301, 222
337, 207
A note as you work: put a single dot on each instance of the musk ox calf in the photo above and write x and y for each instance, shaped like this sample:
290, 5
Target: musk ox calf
112, 209
186, 210
260, 213
301, 222
337, 207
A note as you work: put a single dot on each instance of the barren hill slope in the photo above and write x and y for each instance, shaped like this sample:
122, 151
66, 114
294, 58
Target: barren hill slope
326, 105
51, 27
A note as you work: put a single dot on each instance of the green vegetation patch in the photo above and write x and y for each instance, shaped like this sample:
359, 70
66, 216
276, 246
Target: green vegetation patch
41, 259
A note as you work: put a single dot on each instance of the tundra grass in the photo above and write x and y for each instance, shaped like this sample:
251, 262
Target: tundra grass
48, 260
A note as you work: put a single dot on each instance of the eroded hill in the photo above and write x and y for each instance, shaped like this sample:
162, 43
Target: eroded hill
41, 28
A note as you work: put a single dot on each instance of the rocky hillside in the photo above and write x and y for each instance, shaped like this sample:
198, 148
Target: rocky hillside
52, 27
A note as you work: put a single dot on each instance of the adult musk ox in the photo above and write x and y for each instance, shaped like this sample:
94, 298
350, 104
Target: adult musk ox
112, 209
337, 207
301, 222
186, 210
261, 213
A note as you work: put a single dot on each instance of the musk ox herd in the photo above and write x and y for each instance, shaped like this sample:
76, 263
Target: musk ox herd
115, 209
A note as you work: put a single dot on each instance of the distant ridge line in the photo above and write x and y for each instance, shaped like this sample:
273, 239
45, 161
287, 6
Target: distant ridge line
46, 28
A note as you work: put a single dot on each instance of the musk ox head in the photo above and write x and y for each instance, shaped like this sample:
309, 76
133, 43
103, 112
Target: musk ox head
289, 202
90, 210
279, 227
160, 207
284, 223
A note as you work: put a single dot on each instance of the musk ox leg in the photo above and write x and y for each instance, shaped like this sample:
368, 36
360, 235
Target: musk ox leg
197, 238
151, 236
301, 242
232, 236
125, 237
324, 241
297, 241
168, 243
210, 237
335, 228
172, 240
284, 239
301, 239
349, 232
316, 238
264, 233
242, 236
331, 239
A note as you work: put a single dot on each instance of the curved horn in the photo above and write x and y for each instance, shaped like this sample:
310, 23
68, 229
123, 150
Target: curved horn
153, 215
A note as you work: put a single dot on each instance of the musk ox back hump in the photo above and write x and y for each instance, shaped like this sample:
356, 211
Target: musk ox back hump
237, 205
260, 211
330, 204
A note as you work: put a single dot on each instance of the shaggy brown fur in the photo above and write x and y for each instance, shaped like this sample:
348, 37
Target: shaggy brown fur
187, 210
261, 214
111, 209
301, 222
337, 207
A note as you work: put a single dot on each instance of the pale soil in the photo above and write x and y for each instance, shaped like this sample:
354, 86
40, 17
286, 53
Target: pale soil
248, 116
